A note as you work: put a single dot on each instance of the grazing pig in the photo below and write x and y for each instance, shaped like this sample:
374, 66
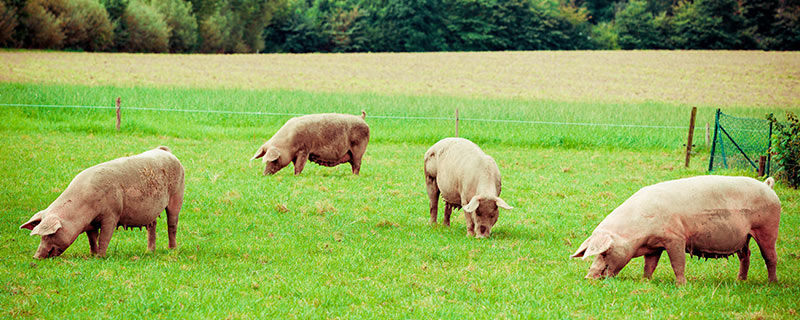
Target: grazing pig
705, 216
466, 178
128, 192
327, 139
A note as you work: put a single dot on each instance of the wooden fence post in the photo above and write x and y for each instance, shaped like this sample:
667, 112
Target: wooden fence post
456, 122
119, 116
691, 134
762, 162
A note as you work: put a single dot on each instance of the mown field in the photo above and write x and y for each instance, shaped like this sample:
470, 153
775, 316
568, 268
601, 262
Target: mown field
327, 244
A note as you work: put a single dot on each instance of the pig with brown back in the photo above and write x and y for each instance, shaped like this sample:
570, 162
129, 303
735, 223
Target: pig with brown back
327, 139
128, 192
467, 178
705, 216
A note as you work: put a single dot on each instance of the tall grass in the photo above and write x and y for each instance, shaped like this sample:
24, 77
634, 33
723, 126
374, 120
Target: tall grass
556, 124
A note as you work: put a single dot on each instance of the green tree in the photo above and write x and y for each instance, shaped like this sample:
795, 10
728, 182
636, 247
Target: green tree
708, 24
785, 33
143, 29
85, 25
42, 27
181, 22
636, 27
8, 21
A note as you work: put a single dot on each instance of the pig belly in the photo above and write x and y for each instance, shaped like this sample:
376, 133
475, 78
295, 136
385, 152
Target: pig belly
143, 212
717, 235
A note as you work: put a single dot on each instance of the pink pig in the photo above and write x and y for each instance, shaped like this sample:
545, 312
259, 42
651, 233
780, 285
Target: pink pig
705, 216
128, 192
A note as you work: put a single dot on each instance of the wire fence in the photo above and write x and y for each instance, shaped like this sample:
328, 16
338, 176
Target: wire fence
260, 113
741, 143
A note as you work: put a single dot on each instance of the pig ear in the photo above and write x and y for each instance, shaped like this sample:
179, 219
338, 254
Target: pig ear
259, 153
596, 244
502, 204
49, 225
472, 205
271, 155
599, 244
581, 249
33, 221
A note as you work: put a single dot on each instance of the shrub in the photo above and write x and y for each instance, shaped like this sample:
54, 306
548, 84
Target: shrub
8, 21
786, 147
144, 28
182, 23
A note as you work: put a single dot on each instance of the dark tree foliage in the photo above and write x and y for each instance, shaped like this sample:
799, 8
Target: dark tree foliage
247, 26
708, 24
636, 27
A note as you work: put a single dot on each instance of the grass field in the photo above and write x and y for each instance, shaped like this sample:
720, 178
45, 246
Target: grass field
327, 244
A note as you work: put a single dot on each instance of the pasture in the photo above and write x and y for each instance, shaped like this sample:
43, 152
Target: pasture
327, 244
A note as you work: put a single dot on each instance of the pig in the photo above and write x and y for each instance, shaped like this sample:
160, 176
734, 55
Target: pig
467, 178
705, 216
128, 192
327, 139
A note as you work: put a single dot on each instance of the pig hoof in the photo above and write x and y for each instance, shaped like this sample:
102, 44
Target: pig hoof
680, 281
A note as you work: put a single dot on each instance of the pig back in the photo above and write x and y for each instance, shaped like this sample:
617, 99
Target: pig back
136, 188
328, 136
462, 170
713, 213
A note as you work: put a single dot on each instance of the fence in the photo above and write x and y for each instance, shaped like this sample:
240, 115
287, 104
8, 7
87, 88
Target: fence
741, 143
457, 118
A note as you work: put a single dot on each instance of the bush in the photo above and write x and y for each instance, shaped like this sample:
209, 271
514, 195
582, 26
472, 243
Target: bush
786, 147
181, 22
143, 28
8, 21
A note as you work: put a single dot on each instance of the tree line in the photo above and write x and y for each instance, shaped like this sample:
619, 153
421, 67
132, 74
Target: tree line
248, 26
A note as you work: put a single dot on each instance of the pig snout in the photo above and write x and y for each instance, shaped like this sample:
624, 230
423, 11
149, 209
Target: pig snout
483, 231
47, 251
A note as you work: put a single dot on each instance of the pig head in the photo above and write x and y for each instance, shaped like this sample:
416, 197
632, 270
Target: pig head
128, 192
705, 216
327, 139
467, 178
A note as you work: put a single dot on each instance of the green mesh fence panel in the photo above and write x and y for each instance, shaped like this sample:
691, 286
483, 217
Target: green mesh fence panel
740, 142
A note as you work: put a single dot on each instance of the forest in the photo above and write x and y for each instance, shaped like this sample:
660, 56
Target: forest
299, 26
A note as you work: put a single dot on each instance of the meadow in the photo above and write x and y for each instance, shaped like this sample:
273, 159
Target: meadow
327, 244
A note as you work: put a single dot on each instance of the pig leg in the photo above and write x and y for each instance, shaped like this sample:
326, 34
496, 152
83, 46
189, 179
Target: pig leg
448, 209
650, 263
300, 162
107, 228
766, 243
92, 235
676, 250
470, 224
173, 210
433, 196
151, 236
744, 260
357, 151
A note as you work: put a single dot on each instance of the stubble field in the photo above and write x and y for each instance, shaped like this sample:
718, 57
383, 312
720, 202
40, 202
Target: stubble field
327, 244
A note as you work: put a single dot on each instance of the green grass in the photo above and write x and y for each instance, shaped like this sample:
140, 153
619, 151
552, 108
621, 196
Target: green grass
327, 244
